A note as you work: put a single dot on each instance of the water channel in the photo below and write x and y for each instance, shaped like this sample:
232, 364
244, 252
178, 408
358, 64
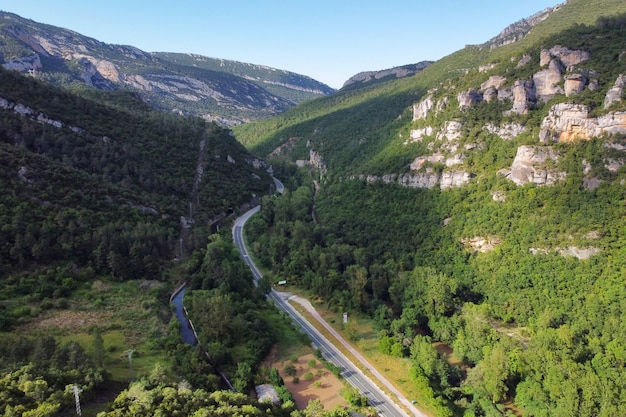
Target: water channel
185, 329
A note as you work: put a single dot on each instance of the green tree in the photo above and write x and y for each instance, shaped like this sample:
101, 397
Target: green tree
98, 348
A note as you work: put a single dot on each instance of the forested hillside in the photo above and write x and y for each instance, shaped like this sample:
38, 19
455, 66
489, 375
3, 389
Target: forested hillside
106, 205
479, 205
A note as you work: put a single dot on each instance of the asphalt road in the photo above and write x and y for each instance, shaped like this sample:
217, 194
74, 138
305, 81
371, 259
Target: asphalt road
376, 397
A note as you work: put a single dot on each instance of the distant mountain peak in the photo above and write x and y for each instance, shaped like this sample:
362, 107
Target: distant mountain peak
382, 75
518, 30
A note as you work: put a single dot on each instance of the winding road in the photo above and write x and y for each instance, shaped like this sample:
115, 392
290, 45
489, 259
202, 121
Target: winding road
377, 398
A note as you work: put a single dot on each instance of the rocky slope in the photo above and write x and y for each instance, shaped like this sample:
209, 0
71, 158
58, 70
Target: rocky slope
368, 77
229, 94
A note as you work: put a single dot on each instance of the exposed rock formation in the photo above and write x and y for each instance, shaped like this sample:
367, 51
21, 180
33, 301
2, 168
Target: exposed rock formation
451, 130
429, 178
316, 161
27, 63
569, 122
468, 98
419, 162
492, 88
507, 131
420, 179
523, 61
450, 179
575, 84
481, 244
524, 96
396, 72
422, 108
580, 253
567, 56
534, 164
418, 134
615, 93
499, 196
519, 29
547, 82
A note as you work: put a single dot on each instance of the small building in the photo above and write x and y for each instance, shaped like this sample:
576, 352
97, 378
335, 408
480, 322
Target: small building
266, 393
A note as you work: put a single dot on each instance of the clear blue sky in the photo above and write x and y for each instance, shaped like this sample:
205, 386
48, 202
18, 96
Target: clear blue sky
328, 40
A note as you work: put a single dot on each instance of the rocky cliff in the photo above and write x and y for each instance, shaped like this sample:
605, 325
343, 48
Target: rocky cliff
383, 75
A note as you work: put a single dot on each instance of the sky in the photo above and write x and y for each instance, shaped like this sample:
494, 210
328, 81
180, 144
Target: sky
327, 40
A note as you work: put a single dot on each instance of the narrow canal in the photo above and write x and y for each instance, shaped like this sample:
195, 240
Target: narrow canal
185, 328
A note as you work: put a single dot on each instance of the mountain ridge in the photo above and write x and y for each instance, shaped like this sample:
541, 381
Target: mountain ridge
67, 58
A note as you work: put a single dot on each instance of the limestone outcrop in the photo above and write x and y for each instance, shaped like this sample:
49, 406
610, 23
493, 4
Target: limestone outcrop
426, 105
422, 108
468, 98
569, 122
615, 93
481, 244
507, 131
536, 164
567, 56
548, 81
451, 130
524, 96
418, 134
575, 84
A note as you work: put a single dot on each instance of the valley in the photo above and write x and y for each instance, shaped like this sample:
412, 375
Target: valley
466, 214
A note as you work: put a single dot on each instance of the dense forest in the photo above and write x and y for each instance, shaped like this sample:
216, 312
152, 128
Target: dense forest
105, 206
542, 329
524, 283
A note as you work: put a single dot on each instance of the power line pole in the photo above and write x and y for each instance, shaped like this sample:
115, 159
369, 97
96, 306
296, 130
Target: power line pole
76, 392
129, 352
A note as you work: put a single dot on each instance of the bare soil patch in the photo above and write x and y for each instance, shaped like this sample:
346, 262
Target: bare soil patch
66, 319
324, 386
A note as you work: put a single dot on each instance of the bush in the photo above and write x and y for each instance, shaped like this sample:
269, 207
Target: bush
290, 370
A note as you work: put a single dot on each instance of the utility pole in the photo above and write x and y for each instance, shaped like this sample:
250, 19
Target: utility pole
129, 352
76, 392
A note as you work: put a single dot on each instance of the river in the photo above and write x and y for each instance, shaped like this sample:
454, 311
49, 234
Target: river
185, 329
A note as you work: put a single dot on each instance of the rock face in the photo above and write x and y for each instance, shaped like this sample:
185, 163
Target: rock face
507, 131
422, 108
426, 105
426, 179
534, 164
418, 134
518, 30
580, 253
481, 244
524, 96
395, 72
450, 179
451, 130
615, 93
28, 63
575, 84
468, 98
570, 122
547, 82
567, 56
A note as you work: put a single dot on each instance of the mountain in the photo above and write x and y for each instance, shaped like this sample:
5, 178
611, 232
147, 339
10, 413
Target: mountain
116, 188
475, 213
383, 75
224, 91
